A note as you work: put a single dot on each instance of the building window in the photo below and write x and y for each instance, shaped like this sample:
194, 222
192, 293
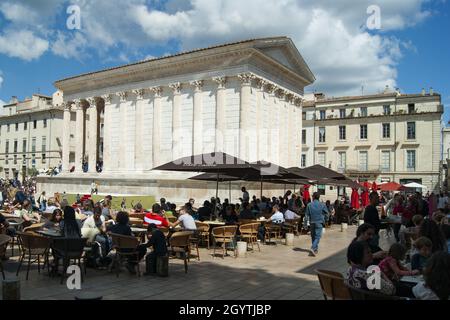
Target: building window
342, 161
25, 126
363, 131
6, 151
15, 159
342, 133
411, 108
321, 158
385, 161
411, 130
8, 128
342, 113
363, 161
17, 126
303, 136
33, 145
303, 115
322, 114
15, 146
411, 160
322, 134
24, 146
386, 130
321, 189
24, 160
45, 123
363, 111
303, 161
44, 149
34, 124
387, 110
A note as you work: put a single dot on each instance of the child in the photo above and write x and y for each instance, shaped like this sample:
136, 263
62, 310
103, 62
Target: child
391, 265
419, 260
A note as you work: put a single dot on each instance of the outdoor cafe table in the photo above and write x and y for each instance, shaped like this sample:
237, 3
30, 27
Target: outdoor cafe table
49, 233
139, 232
412, 279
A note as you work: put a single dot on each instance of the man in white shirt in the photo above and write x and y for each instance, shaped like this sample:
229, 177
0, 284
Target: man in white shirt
290, 215
443, 201
277, 216
245, 195
186, 220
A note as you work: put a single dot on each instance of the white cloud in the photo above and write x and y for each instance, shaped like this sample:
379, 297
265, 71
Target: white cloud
22, 44
74, 47
1, 79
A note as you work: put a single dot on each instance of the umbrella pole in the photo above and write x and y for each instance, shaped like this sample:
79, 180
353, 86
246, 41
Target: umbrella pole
294, 187
229, 190
217, 194
260, 194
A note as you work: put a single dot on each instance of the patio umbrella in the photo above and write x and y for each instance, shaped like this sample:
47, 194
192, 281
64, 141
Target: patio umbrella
318, 172
213, 177
415, 185
354, 199
391, 186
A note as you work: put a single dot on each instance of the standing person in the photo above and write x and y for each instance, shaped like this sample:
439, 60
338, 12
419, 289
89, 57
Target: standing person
245, 195
443, 201
372, 217
316, 214
163, 204
157, 240
123, 204
432, 203
93, 187
42, 201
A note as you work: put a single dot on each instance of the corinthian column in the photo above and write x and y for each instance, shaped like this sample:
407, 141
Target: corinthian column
157, 91
93, 139
66, 139
176, 121
79, 137
107, 133
197, 126
122, 165
139, 138
246, 81
221, 118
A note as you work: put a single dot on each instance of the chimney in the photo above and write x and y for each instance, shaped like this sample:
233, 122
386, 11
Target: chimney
423, 91
14, 100
431, 91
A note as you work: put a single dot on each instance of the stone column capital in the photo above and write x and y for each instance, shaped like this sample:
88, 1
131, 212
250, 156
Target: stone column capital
139, 93
270, 88
198, 85
280, 93
157, 91
176, 87
78, 104
92, 102
261, 83
298, 101
67, 106
221, 81
246, 78
122, 95
107, 98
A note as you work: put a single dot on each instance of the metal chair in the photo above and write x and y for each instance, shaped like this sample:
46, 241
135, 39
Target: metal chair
4, 240
126, 247
35, 246
14, 240
224, 235
333, 286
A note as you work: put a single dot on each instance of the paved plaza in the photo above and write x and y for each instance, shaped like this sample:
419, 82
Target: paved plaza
278, 272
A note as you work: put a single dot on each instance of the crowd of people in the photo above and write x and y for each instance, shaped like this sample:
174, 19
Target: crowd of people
421, 247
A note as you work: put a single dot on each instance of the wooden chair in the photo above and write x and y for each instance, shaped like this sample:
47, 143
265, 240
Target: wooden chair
249, 233
179, 243
361, 294
137, 222
126, 247
69, 249
291, 226
333, 286
224, 235
4, 240
33, 245
137, 216
272, 230
203, 232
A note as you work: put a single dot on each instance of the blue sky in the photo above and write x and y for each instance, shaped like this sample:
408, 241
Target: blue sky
410, 51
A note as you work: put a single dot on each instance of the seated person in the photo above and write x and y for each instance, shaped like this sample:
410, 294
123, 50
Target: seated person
247, 212
30, 217
50, 206
69, 226
137, 208
205, 212
277, 217
360, 258
157, 241
366, 232
55, 220
186, 221
289, 215
88, 208
94, 228
419, 260
156, 217
230, 216
172, 208
436, 284
122, 227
